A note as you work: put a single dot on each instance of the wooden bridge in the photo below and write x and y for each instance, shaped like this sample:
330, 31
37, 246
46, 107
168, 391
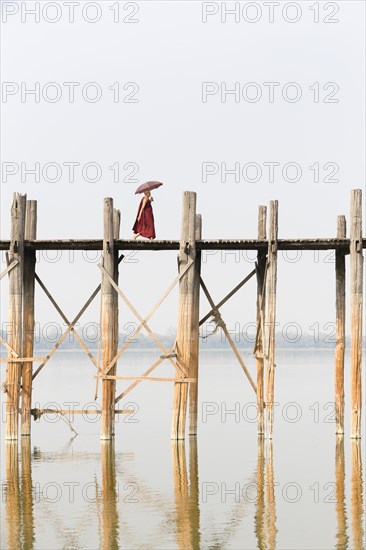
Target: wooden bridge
184, 354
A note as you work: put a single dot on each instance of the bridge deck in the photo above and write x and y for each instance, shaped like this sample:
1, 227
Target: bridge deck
215, 244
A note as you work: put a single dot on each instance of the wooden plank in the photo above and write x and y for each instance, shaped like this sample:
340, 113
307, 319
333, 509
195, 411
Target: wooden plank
8, 269
271, 286
28, 317
340, 273
15, 313
21, 359
187, 254
230, 340
147, 378
261, 269
108, 320
213, 244
228, 296
38, 412
194, 354
356, 289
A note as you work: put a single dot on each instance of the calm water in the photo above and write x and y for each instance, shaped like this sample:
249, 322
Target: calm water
223, 489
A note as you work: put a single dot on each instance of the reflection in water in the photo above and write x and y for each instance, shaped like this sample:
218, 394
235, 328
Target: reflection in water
265, 516
341, 537
19, 497
270, 499
186, 523
194, 493
259, 515
27, 495
186, 499
13, 506
356, 495
109, 497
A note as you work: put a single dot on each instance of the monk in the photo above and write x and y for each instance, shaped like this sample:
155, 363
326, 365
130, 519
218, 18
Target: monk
144, 224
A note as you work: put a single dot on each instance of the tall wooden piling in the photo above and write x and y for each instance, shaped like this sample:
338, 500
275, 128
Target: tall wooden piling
28, 316
259, 351
15, 315
193, 371
108, 321
340, 269
356, 277
184, 343
271, 285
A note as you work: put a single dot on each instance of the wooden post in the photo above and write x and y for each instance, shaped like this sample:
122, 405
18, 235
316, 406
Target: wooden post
108, 321
356, 263
193, 371
184, 343
271, 284
340, 268
15, 313
261, 267
28, 315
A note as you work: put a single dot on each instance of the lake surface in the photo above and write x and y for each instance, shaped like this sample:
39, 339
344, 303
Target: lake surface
225, 488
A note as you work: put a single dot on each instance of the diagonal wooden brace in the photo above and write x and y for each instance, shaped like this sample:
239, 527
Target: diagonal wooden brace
223, 326
69, 328
143, 322
9, 268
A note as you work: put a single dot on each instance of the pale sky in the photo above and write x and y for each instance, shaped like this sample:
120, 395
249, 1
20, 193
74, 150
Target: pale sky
174, 123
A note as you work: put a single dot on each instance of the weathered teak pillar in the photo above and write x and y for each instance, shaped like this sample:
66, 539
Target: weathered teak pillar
184, 343
261, 267
340, 269
193, 371
28, 315
271, 285
15, 313
356, 261
108, 321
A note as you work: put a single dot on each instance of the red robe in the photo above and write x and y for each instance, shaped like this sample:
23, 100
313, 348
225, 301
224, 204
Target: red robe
145, 226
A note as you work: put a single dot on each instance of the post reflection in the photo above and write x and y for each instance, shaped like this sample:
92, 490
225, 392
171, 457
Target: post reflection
341, 537
186, 496
13, 505
27, 495
260, 506
357, 495
265, 516
109, 497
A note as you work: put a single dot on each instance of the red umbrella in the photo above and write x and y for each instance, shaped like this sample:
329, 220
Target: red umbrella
148, 186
